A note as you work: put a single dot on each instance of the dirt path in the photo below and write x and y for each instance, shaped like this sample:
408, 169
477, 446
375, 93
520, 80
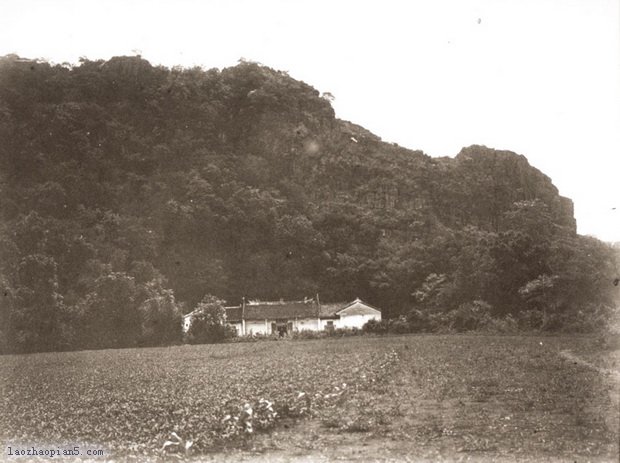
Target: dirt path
612, 415
568, 355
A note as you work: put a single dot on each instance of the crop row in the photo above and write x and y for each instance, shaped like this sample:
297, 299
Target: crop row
144, 401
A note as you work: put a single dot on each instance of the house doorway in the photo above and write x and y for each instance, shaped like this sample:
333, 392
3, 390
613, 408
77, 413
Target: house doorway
282, 328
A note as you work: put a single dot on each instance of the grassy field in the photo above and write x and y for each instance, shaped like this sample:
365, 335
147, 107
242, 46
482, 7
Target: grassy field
407, 398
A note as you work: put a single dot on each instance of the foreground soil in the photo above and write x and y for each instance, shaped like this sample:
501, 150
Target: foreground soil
469, 398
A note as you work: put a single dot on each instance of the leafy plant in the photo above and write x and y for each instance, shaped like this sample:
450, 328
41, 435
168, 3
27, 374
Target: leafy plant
209, 322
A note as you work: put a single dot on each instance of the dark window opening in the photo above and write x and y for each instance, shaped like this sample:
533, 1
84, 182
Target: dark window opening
281, 328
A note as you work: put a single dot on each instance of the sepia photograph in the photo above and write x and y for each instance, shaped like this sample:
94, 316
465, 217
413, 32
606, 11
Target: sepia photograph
309, 231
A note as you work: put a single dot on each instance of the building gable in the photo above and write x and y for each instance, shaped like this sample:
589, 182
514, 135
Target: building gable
358, 307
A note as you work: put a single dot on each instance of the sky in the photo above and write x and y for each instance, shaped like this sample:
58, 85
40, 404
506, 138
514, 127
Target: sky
537, 77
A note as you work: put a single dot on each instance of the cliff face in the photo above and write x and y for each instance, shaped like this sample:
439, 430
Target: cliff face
238, 182
338, 161
289, 132
499, 179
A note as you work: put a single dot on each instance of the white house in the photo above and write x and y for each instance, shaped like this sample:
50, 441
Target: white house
288, 316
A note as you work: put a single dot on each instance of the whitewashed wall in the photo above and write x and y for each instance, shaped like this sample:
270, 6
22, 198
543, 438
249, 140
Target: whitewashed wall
355, 321
257, 327
306, 324
323, 323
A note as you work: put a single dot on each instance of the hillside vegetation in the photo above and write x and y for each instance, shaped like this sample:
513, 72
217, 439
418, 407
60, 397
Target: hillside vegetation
129, 192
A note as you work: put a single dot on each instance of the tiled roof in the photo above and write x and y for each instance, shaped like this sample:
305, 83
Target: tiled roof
288, 310
233, 314
329, 310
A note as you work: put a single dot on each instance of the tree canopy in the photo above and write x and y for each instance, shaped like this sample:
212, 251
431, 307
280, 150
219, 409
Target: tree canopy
130, 191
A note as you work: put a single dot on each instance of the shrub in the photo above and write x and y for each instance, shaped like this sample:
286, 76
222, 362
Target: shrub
419, 321
470, 316
376, 326
552, 322
209, 323
337, 333
342, 332
507, 324
308, 334
202, 331
399, 325
257, 337
441, 322
530, 319
302, 335
593, 318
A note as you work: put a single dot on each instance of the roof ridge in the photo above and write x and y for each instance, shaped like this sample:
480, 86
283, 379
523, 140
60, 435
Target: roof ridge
281, 302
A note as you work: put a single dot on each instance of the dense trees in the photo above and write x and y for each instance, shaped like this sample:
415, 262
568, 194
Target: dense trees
131, 191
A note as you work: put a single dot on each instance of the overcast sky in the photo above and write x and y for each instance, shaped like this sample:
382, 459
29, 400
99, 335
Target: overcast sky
541, 78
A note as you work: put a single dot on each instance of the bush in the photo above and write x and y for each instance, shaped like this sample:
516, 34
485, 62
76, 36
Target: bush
302, 335
508, 324
209, 324
342, 332
251, 338
441, 322
376, 326
337, 333
530, 320
553, 322
599, 318
593, 318
202, 331
398, 325
419, 321
308, 334
470, 316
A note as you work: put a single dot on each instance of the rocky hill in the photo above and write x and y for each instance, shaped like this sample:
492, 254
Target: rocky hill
242, 182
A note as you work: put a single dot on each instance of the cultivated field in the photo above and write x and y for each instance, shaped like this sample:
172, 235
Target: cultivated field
477, 398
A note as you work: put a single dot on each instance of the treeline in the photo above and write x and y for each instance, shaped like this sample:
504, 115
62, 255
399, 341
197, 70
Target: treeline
129, 191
